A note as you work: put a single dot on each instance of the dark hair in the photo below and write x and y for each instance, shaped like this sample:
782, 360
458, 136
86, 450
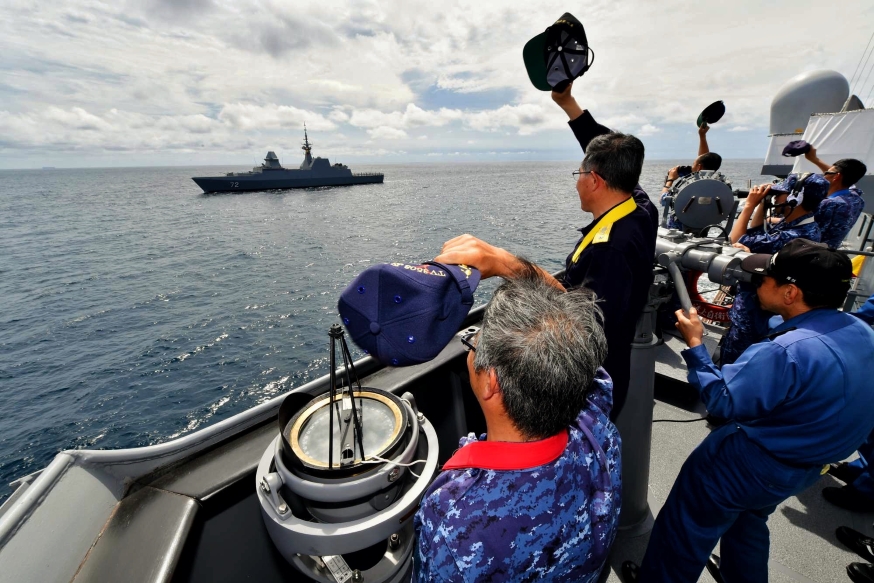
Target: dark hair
833, 299
709, 161
851, 170
617, 158
545, 346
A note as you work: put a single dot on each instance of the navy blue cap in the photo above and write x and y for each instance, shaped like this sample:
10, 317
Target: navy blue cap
796, 148
807, 186
405, 314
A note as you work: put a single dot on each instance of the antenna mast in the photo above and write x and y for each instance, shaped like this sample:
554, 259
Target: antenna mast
307, 146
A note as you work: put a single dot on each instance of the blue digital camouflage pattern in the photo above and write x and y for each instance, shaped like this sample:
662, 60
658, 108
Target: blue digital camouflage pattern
671, 221
554, 522
749, 322
838, 213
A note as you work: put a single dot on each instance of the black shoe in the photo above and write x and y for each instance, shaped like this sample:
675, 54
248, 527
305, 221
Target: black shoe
844, 472
861, 572
630, 571
848, 498
713, 568
856, 542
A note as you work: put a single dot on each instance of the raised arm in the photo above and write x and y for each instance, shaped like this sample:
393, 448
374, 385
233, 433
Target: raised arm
566, 101
491, 261
703, 148
754, 200
813, 159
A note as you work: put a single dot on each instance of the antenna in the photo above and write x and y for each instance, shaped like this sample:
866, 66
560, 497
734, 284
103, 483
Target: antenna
307, 146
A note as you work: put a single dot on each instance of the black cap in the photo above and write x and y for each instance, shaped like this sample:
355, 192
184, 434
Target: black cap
558, 55
711, 114
813, 267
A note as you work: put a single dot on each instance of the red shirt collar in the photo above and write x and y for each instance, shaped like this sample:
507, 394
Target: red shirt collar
505, 455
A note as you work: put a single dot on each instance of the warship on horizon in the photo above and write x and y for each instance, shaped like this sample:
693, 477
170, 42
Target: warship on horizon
271, 175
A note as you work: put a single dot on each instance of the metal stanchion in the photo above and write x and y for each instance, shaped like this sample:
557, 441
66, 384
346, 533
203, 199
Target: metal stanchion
635, 421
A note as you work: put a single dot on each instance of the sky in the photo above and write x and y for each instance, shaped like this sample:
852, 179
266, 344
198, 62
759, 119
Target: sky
85, 83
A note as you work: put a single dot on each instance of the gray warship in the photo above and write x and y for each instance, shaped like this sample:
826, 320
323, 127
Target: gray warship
271, 175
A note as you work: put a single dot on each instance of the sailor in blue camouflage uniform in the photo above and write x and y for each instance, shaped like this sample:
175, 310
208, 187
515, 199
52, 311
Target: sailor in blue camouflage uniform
838, 213
796, 199
538, 496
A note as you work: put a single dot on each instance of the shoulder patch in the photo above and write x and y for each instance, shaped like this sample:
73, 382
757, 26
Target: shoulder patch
603, 234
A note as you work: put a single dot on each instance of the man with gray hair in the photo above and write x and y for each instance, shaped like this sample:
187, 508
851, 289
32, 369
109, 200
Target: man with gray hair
615, 254
538, 495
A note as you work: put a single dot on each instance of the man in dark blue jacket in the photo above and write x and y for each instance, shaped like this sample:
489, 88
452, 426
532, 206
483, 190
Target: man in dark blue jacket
798, 400
614, 255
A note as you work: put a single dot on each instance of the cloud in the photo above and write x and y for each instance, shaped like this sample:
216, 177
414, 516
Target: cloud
648, 130
248, 117
85, 76
526, 119
386, 133
411, 117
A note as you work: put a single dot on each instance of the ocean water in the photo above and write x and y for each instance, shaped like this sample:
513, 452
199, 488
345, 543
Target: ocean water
135, 309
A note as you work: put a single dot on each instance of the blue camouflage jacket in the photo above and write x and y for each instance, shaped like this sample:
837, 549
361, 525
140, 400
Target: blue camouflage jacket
749, 322
545, 510
671, 221
838, 213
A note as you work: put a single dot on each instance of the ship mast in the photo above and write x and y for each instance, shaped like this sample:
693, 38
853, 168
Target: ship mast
307, 148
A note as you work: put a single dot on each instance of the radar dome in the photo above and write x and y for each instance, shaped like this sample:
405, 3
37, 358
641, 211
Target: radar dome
811, 92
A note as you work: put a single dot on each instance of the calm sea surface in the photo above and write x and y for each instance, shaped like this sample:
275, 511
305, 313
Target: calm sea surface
135, 309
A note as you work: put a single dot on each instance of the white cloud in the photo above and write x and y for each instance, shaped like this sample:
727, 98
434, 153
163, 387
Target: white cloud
248, 116
411, 117
84, 76
386, 133
648, 129
526, 119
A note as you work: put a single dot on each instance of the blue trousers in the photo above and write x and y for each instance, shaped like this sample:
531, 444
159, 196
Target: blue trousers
865, 482
726, 489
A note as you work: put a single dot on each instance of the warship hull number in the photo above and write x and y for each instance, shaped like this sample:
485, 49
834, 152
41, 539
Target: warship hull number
235, 184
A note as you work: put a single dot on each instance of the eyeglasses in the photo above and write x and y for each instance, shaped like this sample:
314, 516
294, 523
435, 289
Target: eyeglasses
465, 339
578, 173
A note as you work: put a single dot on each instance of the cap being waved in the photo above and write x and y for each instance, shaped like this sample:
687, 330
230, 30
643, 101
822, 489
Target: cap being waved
404, 314
557, 56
